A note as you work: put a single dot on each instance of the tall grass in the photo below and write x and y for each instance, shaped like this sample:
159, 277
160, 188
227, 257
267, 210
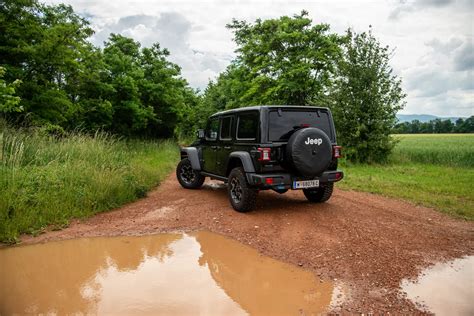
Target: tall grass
46, 180
455, 150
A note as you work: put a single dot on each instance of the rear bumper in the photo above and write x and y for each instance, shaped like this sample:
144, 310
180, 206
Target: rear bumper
282, 181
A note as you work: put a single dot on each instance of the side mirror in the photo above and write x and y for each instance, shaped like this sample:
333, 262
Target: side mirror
201, 134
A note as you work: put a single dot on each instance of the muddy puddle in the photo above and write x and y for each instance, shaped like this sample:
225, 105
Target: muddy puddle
445, 288
168, 274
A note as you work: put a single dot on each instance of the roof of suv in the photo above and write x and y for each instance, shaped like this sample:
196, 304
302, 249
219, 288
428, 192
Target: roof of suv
260, 107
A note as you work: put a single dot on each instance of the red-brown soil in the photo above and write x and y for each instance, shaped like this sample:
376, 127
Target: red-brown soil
368, 242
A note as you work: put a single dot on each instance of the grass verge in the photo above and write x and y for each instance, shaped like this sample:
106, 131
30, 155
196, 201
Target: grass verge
431, 170
447, 189
47, 181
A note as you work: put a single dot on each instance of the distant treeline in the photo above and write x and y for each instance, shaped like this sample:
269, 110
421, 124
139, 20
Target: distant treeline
437, 126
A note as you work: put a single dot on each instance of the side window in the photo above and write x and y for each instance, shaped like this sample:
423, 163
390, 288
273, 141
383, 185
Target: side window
212, 128
247, 126
226, 128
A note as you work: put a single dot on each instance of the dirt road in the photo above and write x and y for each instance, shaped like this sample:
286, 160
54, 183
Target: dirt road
368, 242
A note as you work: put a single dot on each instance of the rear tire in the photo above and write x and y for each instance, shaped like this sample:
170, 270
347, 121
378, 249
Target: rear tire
187, 176
319, 195
241, 196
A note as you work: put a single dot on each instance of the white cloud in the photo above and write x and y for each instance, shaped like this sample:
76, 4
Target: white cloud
442, 80
432, 38
417, 5
172, 31
464, 57
445, 47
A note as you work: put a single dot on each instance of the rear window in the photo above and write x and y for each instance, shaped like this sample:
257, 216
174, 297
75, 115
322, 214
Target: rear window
247, 126
283, 123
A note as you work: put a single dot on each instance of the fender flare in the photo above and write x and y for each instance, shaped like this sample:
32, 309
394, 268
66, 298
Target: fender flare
245, 159
193, 156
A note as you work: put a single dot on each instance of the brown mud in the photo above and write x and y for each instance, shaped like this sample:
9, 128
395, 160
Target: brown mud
370, 243
164, 274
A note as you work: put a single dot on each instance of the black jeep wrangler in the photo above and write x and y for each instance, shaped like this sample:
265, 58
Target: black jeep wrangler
265, 147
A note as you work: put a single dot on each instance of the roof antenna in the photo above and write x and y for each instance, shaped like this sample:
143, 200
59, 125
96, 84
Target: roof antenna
279, 112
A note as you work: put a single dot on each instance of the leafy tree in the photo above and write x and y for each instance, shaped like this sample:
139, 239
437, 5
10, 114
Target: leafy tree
68, 83
9, 102
469, 125
416, 126
426, 127
122, 59
465, 126
288, 60
190, 115
365, 98
458, 125
280, 61
442, 126
402, 128
40, 46
164, 90
90, 89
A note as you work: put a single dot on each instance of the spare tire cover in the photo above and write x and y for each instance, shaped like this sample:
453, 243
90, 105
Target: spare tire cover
309, 151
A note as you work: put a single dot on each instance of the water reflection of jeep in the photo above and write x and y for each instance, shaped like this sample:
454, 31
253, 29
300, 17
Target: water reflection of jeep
265, 147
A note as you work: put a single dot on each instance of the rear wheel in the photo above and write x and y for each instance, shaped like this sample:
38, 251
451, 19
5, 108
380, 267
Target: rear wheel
241, 195
187, 176
319, 195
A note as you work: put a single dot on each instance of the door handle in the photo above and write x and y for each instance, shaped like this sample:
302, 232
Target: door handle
214, 147
227, 147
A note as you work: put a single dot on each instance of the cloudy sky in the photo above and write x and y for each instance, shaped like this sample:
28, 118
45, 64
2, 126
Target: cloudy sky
433, 39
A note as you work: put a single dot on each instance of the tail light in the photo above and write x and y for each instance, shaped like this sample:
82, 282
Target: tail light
269, 181
337, 151
265, 154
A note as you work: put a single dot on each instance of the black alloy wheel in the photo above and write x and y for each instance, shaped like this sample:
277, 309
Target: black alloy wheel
187, 176
241, 195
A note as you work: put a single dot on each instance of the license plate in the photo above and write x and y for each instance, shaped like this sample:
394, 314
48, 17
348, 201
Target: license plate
305, 184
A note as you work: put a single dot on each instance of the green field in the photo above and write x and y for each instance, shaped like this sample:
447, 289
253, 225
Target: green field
435, 170
452, 150
44, 180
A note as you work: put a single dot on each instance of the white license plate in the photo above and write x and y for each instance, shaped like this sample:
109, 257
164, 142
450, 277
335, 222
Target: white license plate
305, 184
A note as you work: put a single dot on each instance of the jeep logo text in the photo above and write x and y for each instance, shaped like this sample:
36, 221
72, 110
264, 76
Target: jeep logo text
313, 141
